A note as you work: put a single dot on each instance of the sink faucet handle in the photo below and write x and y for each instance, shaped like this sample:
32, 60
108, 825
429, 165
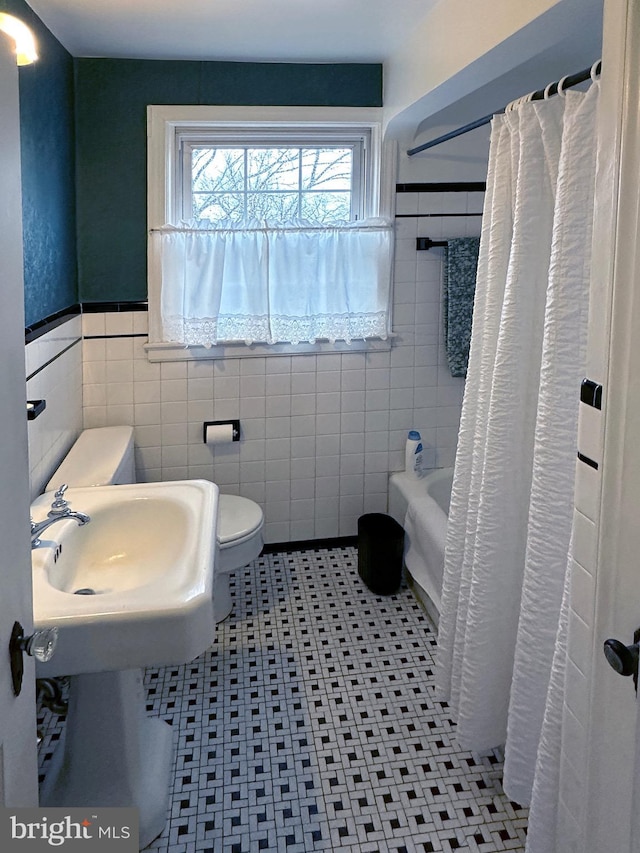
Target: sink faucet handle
59, 503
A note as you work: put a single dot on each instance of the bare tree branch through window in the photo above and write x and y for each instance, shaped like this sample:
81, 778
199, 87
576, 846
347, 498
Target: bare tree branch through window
272, 183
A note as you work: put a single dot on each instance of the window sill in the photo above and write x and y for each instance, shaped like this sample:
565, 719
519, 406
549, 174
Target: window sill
176, 352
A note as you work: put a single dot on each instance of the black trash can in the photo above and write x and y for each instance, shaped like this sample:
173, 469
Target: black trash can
380, 552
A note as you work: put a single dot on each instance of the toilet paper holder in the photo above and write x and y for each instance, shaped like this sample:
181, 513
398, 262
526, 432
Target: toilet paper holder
234, 424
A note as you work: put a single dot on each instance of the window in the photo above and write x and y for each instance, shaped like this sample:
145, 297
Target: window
273, 182
265, 231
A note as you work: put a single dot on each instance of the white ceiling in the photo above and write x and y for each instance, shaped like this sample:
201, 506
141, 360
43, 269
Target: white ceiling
258, 30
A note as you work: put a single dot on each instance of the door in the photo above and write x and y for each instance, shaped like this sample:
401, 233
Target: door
612, 802
18, 758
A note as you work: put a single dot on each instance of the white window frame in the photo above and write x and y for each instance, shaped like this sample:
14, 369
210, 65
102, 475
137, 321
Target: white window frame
168, 125
359, 140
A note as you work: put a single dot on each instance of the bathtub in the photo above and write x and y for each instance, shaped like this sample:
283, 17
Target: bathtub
425, 530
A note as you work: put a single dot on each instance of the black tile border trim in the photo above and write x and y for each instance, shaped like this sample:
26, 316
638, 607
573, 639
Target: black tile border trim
112, 307
433, 215
37, 330
444, 187
591, 393
54, 358
587, 461
310, 544
105, 337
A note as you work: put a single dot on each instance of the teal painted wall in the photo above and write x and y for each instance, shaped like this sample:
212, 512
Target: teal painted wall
48, 172
83, 146
111, 100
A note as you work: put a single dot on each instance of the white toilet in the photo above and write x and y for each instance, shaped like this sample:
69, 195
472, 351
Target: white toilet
99, 457
240, 523
104, 456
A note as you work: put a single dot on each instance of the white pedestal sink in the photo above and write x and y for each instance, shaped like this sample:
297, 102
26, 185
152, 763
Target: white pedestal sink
144, 565
112, 754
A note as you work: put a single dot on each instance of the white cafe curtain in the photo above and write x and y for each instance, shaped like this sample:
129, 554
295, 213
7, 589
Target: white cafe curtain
258, 282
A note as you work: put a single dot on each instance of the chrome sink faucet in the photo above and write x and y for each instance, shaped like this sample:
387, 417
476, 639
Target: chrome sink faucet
59, 512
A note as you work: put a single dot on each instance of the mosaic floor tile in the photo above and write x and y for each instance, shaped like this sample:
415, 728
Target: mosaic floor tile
311, 724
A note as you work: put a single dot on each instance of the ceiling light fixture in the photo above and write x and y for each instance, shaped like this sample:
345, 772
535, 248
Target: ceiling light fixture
23, 37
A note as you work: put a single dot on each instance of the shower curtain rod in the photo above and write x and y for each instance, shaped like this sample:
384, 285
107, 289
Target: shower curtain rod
552, 89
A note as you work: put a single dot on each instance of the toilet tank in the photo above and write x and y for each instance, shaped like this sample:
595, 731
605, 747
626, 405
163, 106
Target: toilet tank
103, 456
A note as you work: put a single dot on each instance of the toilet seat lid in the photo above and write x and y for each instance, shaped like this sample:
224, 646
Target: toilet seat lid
237, 518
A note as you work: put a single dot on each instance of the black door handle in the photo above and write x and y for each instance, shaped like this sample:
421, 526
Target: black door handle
624, 659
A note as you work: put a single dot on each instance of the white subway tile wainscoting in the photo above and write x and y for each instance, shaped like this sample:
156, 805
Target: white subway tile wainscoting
53, 366
319, 432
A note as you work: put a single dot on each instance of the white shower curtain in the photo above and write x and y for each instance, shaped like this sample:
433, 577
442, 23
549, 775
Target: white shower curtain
512, 498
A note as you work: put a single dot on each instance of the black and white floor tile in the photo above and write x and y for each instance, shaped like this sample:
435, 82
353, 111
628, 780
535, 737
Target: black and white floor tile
311, 724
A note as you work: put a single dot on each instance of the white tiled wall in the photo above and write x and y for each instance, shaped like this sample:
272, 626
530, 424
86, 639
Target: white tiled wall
54, 363
573, 758
574, 768
320, 433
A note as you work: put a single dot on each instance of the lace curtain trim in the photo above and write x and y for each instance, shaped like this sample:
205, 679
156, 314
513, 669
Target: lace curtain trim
209, 331
306, 282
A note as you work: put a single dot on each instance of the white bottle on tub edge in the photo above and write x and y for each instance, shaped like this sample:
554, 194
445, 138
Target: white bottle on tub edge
413, 455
